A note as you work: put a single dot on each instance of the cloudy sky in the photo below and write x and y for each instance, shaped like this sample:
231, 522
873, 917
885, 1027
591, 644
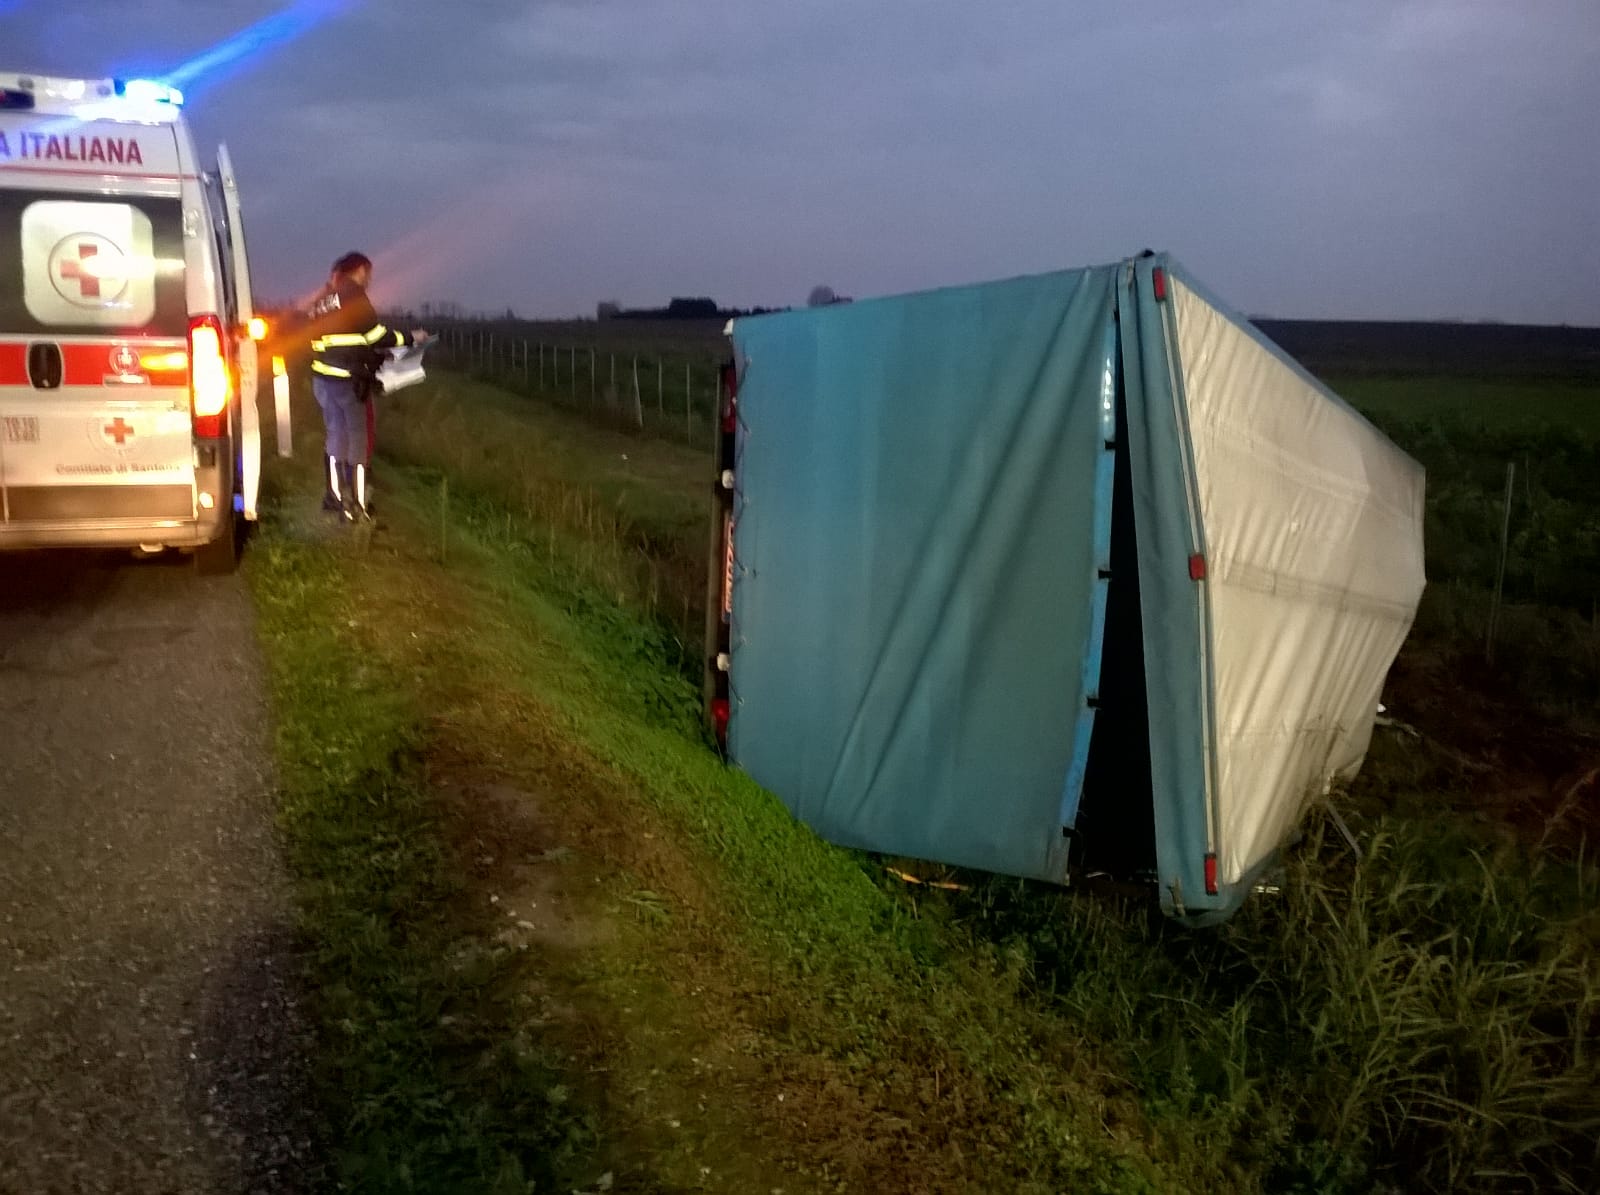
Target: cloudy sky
1361, 158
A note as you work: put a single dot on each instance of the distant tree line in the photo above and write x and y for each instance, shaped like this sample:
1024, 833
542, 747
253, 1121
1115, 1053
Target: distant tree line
699, 308
696, 308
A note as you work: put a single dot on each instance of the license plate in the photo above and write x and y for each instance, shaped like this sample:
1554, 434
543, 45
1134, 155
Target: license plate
21, 429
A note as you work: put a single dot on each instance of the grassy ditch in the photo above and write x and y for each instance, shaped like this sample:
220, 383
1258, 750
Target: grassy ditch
425, 1085
734, 1005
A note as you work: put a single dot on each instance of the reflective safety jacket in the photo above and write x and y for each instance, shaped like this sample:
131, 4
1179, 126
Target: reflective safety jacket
347, 337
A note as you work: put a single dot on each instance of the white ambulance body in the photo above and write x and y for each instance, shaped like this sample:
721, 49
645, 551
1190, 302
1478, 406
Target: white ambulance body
124, 302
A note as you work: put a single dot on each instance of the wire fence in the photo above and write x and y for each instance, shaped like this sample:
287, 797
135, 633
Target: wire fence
671, 393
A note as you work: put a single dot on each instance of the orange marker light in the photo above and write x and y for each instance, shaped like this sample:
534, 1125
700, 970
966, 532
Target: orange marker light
175, 361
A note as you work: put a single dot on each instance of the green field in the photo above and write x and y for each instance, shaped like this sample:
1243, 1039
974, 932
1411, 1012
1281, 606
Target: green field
1496, 403
709, 998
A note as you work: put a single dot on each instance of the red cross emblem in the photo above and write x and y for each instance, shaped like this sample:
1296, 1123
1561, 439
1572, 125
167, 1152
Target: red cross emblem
73, 269
119, 431
88, 270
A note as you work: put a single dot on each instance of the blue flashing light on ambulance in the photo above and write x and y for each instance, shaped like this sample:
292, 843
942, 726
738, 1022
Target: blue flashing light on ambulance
128, 413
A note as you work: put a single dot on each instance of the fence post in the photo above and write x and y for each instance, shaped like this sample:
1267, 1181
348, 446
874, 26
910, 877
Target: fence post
661, 404
541, 366
638, 405
591, 374
1500, 577
688, 407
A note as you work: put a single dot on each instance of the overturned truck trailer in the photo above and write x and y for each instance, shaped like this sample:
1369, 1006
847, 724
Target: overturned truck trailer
1066, 573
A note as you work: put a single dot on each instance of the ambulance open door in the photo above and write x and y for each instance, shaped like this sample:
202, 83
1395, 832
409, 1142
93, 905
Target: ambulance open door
244, 308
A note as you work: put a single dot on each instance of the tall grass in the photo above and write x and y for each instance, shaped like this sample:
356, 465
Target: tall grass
1425, 1014
625, 511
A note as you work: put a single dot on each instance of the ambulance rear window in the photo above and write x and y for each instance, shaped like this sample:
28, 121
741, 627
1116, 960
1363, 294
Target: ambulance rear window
82, 264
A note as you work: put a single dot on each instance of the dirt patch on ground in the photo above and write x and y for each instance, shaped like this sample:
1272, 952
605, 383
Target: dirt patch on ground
519, 867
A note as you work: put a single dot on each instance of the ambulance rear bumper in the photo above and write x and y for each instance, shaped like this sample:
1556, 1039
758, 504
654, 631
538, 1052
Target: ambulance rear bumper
94, 516
86, 535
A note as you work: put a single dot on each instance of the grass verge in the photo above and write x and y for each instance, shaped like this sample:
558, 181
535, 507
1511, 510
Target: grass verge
424, 1085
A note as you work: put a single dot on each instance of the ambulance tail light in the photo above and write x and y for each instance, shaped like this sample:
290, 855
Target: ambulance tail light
256, 328
210, 383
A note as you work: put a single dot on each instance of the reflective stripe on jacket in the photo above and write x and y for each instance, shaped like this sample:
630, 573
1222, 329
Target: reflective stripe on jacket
347, 337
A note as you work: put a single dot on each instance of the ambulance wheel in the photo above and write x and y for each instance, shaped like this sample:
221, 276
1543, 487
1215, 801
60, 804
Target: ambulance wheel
221, 555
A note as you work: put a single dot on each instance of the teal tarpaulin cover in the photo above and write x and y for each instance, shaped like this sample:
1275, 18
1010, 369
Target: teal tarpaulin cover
916, 560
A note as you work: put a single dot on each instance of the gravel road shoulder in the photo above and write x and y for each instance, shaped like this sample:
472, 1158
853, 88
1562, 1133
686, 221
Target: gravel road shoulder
149, 1031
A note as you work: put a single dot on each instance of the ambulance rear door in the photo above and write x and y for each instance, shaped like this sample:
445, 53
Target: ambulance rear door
94, 401
244, 310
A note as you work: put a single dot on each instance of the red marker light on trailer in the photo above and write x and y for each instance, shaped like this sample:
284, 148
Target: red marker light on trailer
721, 711
1158, 281
1197, 567
1211, 873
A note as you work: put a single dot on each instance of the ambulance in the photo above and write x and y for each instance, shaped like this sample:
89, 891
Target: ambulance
128, 411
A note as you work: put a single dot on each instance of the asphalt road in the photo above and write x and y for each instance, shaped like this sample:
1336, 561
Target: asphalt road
149, 1034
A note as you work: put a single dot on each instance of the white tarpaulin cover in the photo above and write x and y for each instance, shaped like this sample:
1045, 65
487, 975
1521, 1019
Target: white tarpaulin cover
1313, 530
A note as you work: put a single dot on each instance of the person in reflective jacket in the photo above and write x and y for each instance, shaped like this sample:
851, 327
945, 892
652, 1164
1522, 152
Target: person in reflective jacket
348, 342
